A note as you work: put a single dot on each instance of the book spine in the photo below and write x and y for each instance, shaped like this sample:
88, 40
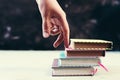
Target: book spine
84, 53
106, 46
56, 75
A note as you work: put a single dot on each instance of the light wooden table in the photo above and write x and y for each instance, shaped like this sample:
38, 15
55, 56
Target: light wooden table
36, 65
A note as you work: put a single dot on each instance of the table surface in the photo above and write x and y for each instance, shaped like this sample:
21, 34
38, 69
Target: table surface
36, 65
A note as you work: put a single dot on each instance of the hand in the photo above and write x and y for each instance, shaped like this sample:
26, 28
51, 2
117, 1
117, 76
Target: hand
54, 21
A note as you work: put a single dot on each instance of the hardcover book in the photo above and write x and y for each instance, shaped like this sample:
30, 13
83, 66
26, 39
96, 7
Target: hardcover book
91, 44
79, 62
85, 52
71, 71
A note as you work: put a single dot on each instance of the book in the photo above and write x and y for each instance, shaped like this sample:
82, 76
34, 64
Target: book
91, 44
70, 71
85, 52
79, 62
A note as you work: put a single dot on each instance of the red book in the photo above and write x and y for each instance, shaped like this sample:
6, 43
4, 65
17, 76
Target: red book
85, 52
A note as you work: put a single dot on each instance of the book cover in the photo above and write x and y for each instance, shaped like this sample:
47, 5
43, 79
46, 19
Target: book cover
70, 71
91, 43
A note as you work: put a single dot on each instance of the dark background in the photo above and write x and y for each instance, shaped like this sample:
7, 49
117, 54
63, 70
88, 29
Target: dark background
20, 23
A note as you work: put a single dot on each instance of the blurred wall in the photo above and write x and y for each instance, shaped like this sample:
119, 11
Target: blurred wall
20, 23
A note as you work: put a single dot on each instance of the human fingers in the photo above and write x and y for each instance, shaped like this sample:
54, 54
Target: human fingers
55, 30
65, 29
58, 41
46, 28
45, 18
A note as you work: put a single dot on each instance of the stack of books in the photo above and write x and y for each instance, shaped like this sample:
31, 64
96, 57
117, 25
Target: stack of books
81, 58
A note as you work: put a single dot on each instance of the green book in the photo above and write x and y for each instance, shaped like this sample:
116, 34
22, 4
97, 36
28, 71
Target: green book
70, 71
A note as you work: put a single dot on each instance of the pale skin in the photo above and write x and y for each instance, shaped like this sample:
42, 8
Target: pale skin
54, 21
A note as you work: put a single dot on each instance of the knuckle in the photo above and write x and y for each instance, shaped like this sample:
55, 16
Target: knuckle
62, 15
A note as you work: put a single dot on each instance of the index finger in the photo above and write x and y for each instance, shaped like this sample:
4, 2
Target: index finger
65, 30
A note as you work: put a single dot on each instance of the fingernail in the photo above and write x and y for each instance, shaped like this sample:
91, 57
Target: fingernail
45, 35
69, 48
66, 46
